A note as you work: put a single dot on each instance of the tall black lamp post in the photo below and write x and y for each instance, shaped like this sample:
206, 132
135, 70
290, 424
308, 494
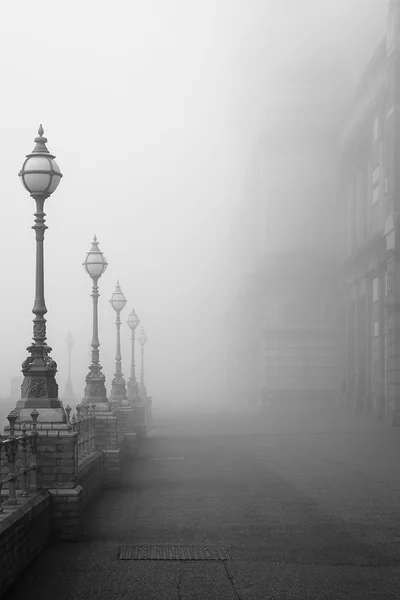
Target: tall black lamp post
142, 339
69, 390
133, 388
95, 391
40, 176
118, 388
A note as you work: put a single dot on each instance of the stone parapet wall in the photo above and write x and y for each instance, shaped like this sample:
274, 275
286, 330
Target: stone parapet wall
68, 483
91, 477
68, 505
107, 431
24, 532
113, 465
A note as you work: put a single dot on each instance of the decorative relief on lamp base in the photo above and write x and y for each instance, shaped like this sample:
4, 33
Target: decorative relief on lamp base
95, 390
118, 391
39, 388
133, 392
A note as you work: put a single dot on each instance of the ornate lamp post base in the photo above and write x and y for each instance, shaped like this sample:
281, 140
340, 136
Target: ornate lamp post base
142, 391
118, 392
95, 390
39, 389
133, 392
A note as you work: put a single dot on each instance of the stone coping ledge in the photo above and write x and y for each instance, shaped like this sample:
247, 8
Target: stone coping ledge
49, 429
86, 463
26, 508
72, 492
103, 416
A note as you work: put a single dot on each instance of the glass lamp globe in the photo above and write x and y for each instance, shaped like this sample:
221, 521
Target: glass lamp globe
118, 300
40, 174
95, 262
133, 320
142, 339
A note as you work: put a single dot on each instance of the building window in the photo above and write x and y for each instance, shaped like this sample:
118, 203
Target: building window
375, 131
390, 241
376, 329
375, 184
375, 290
388, 283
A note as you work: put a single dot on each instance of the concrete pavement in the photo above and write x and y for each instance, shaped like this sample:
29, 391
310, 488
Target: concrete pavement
307, 505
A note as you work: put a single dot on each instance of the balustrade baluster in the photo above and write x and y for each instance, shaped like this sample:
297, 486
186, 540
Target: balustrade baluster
24, 470
33, 440
11, 449
75, 430
79, 429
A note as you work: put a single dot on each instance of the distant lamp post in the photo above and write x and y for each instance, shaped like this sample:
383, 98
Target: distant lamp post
133, 388
69, 390
95, 391
40, 176
142, 339
118, 388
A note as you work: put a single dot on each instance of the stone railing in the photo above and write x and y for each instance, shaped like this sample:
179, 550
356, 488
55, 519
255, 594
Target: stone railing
18, 461
83, 423
50, 473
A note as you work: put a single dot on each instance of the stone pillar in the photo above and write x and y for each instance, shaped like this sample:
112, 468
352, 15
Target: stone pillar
141, 419
58, 474
382, 335
368, 400
393, 308
350, 352
361, 348
127, 426
109, 440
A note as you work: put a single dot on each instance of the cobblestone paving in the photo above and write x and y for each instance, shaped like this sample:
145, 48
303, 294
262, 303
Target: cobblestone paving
307, 505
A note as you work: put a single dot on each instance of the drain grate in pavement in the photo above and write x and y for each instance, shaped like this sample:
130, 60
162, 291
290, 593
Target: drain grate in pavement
173, 553
166, 457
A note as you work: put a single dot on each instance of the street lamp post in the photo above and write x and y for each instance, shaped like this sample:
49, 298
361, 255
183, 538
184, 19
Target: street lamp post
118, 388
40, 176
133, 388
95, 391
69, 390
142, 339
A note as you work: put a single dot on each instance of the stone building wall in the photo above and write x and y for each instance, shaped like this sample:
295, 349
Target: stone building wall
369, 198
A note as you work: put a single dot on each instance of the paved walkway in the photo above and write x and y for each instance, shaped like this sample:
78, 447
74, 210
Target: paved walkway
307, 505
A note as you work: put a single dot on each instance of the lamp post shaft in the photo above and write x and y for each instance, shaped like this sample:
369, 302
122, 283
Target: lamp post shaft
39, 307
118, 357
142, 367
69, 362
133, 387
95, 338
133, 374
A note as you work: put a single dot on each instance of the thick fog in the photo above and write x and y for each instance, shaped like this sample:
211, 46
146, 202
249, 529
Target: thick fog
168, 119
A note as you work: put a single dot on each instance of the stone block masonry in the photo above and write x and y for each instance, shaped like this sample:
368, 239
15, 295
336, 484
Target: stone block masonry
109, 439
24, 532
127, 426
68, 505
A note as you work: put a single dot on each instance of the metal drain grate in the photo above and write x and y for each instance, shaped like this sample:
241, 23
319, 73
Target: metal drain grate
173, 553
166, 458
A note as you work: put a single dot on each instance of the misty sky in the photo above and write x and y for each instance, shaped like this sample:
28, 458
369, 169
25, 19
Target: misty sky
153, 110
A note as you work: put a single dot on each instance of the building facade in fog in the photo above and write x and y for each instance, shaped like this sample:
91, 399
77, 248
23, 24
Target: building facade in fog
300, 325
283, 322
369, 201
